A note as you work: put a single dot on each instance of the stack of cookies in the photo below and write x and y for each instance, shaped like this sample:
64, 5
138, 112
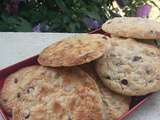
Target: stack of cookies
130, 66
87, 76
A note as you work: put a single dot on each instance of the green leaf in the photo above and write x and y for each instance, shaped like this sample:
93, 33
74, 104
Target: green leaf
52, 15
92, 14
4, 27
62, 6
72, 27
23, 26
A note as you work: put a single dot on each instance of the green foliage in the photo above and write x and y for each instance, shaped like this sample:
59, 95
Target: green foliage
16, 24
60, 15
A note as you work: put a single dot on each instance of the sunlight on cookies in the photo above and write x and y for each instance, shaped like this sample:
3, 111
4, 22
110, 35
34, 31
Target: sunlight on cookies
155, 13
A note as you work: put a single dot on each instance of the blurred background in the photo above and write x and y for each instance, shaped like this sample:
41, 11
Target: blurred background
70, 15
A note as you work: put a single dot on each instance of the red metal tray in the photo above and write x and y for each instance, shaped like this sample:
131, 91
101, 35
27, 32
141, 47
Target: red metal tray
135, 101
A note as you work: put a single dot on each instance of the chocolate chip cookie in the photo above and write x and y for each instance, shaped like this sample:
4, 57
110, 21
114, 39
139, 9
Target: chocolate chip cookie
129, 67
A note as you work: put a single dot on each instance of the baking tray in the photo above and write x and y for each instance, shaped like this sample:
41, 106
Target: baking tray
135, 101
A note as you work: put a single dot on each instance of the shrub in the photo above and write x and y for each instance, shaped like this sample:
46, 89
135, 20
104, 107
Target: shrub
62, 15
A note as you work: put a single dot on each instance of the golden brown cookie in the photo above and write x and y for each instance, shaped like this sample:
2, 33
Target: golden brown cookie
129, 67
133, 27
15, 83
115, 104
74, 50
64, 94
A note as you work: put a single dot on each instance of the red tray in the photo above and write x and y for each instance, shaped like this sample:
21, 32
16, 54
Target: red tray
135, 101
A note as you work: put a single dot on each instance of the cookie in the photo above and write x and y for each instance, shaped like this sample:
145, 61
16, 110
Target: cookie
14, 84
133, 27
129, 67
74, 50
115, 105
66, 94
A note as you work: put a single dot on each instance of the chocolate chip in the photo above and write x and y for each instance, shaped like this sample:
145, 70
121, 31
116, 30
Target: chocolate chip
151, 31
152, 54
148, 71
104, 37
15, 80
18, 95
150, 81
112, 55
43, 73
30, 89
107, 77
119, 63
124, 82
4, 100
27, 116
136, 58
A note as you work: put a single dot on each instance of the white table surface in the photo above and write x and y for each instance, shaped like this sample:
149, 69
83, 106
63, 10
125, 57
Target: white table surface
15, 47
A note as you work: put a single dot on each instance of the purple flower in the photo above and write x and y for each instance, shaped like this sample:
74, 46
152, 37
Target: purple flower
37, 28
143, 10
91, 23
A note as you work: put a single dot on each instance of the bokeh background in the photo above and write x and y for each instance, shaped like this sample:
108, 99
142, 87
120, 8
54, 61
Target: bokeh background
70, 15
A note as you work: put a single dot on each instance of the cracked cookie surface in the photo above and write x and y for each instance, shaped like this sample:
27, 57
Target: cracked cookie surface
14, 84
74, 50
133, 27
129, 67
62, 94
115, 105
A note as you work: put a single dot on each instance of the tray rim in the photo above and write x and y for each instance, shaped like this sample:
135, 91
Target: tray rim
32, 59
